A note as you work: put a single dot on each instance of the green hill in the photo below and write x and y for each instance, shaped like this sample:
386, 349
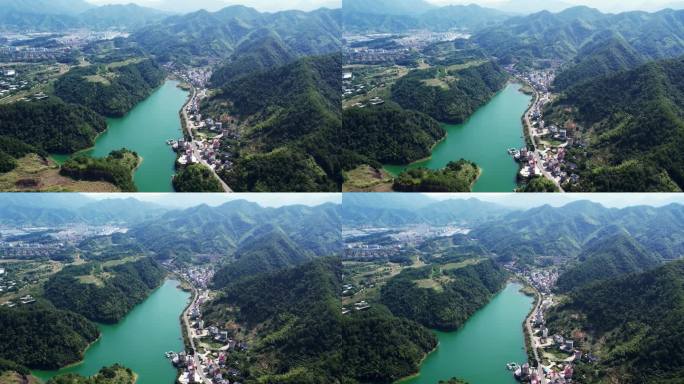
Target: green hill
600, 57
443, 296
563, 35
449, 95
110, 89
632, 323
605, 257
201, 36
294, 111
41, 337
302, 337
386, 134
636, 129
103, 292
51, 125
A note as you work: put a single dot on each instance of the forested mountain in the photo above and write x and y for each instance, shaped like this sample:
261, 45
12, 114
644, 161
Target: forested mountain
562, 35
59, 209
51, 125
294, 113
60, 15
401, 16
600, 57
632, 323
48, 7
41, 337
563, 231
611, 253
217, 35
392, 210
443, 296
304, 338
449, 95
636, 126
221, 232
110, 89
101, 292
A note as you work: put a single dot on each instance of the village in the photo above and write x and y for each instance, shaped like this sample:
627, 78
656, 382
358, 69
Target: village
213, 355
209, 141
555, 355
367, 244
550, 142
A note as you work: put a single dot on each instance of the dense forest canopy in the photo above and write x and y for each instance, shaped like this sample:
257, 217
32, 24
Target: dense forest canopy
294, 113
387, 134
633, 323
104, 293
636, 125
449, 95
110, 89
443, 296
196, 178
301, 330
41, 337
51, 125
457, 176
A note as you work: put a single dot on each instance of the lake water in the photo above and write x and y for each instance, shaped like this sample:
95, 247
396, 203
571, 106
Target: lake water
479, 351
140, 340
145, 130
484, 139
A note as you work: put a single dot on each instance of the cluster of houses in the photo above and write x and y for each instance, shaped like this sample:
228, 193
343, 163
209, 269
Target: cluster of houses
358, 306
27, 299
528, 374
543, 280
209, 151
213, 365
10, 82
368, 252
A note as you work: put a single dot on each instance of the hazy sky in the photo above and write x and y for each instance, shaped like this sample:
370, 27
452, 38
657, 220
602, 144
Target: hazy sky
212, 5
214, 199
604, 5
612, 200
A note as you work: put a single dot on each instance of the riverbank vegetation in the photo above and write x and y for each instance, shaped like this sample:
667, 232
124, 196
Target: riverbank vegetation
455, 177
104, 292
303, 338
39, 336
50, 125
196, 178
117, 168
116, 374
449, 95
443, 296
110, 89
